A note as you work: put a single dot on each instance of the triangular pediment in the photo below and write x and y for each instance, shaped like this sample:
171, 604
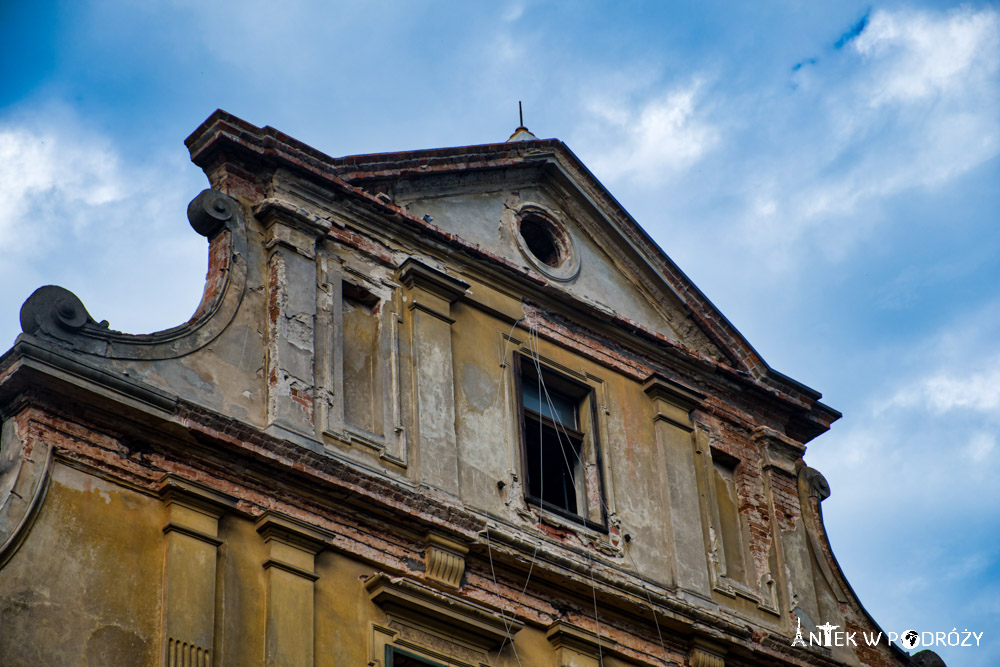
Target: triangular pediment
534, 205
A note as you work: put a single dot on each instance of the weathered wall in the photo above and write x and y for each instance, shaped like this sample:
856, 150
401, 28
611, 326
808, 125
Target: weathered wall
327, 459
85, 588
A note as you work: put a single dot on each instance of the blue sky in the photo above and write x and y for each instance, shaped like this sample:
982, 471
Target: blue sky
827, 173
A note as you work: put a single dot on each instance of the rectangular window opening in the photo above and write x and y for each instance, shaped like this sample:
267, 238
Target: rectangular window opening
395, 657
559, 443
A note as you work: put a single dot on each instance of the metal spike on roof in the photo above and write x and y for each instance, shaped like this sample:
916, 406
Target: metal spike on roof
521, 133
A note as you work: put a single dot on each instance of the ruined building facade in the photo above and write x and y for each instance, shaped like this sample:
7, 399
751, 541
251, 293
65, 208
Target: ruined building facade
448, 407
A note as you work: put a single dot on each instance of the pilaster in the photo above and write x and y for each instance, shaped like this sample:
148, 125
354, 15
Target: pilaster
429, 296
290, 596
672, 406
706, 653
189, 572
290, 240
576, 647
780, 454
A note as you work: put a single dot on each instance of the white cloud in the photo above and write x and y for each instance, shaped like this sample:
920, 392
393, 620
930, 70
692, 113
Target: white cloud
75, 211
927, 83
916, 55
654, 139
912, 103
980, 447
513, 12
48, 173
944, 391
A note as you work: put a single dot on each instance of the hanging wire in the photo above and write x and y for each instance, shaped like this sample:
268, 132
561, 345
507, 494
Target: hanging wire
597, 620
489, 546
533, 346
604, 503
507, 624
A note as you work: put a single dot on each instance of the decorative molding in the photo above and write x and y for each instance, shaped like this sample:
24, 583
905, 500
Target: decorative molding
673, 401
568, 267
444, 560
416, 275
186, 654
421, 606
175, 489
385, 641
660, 387
562, 636
780, 451
291, 544
291, 226
192, 509
53, 312
276, 529
191, 532
705, 653
24, 482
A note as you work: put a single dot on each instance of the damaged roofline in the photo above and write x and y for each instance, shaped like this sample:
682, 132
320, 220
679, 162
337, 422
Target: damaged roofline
222, 132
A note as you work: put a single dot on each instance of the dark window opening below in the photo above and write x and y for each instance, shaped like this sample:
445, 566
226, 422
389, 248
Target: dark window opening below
553, 458
397, 658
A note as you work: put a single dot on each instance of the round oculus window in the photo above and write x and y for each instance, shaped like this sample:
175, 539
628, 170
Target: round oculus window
547, 245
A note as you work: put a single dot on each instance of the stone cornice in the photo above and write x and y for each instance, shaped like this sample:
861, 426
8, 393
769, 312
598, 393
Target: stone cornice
482, 626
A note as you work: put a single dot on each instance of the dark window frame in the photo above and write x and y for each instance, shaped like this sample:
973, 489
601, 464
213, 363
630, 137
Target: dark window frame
586, 429
392, 651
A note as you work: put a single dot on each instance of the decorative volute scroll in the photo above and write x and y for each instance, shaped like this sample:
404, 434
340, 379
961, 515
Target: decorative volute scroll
813, 484
57, 314
445, 560
55, 311
209, 212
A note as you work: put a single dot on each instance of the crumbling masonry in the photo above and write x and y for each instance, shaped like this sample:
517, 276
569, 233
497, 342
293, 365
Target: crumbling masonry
448, 407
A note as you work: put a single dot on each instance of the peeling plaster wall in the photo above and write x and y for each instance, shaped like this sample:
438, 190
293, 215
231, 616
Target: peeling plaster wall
84, 590
330, 461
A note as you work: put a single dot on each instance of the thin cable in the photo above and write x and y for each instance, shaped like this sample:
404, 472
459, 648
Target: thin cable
597, 620
489, 545
503, 616
649, 599
604, 504
562, 449
534, 348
